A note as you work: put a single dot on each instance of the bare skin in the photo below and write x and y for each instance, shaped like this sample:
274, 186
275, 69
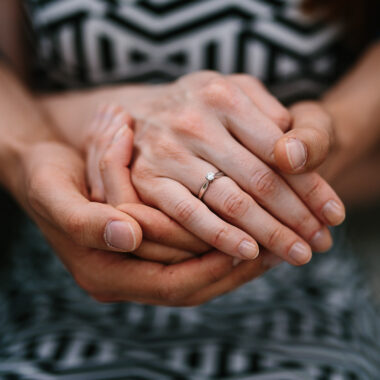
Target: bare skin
31, 154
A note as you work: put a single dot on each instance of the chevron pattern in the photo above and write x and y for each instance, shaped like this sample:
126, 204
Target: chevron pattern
310, 323
96, 41
291, 324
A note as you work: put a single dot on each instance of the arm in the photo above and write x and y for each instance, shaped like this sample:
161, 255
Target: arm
344, 127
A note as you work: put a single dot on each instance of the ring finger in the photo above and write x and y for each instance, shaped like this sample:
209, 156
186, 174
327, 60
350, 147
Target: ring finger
234, 205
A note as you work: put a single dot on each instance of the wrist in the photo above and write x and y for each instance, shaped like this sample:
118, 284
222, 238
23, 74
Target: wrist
71, 113
14, 153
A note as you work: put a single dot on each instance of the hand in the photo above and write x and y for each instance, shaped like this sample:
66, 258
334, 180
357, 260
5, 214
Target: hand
183, 131
108, 156
330, 146
52, 189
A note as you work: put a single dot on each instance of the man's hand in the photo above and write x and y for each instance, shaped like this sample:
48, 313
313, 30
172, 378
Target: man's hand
52, 189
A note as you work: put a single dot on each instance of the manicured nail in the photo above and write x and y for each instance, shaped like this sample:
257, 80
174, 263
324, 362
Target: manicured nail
271, 260
300, 253
120, 235
296, 153
119, 133
333, 212
321, 241
236, 261
248, 250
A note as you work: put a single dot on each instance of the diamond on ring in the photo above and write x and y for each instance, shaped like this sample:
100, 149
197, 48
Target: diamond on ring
210, 177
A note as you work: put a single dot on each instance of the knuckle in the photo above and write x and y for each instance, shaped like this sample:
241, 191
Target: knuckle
282, 118
105, 162
189, 123
303, 222
220, 92
263, 182
219, 237
165, 149
313, 191
275, 236
141, 171
235, 205
74, 227
185, 210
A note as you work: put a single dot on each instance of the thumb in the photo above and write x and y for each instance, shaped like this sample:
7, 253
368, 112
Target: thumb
97, 225
308, 143
56, 195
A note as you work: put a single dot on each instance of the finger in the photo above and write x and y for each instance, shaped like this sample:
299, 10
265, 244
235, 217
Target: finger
319, 196
307, 145
260, 135
158, 227
109, 120
263, 99
114, 169
149, 282
162, 253
112, 130
93, 178
87, 223
235, 206
177, 202
242, 274
113, 121
269, 190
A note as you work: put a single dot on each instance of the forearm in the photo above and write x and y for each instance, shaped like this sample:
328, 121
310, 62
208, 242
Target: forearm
355, 104
22, 126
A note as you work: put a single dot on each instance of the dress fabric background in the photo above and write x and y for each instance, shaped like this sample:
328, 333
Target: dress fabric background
309, 323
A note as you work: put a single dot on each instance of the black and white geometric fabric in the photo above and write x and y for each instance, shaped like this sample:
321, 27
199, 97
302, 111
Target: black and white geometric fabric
314, 322
97, 41
309, 323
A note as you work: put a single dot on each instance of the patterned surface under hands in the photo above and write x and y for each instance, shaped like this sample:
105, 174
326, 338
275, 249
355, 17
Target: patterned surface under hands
51, 329
93, 41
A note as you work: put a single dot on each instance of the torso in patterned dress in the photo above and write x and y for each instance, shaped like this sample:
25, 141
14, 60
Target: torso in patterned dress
309, 323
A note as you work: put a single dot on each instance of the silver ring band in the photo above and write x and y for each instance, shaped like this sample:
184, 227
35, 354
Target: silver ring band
210, 177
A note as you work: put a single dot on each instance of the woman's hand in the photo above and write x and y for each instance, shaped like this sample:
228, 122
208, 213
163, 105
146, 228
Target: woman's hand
184, 130
343, 128
51, 187
109, 181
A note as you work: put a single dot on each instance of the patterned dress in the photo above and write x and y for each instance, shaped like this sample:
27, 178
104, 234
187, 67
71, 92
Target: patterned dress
314, 322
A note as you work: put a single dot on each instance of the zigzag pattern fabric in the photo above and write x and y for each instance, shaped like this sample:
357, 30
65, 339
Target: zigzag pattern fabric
309, 323
97, 41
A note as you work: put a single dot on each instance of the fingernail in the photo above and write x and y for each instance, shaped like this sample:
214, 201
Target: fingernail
333, 212
120, 235
271, 260
248, 250
236, 261
119, 133
300, 253
296, 153
321, 241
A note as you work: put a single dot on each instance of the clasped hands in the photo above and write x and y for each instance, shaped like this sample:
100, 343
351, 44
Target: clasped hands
144, 200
